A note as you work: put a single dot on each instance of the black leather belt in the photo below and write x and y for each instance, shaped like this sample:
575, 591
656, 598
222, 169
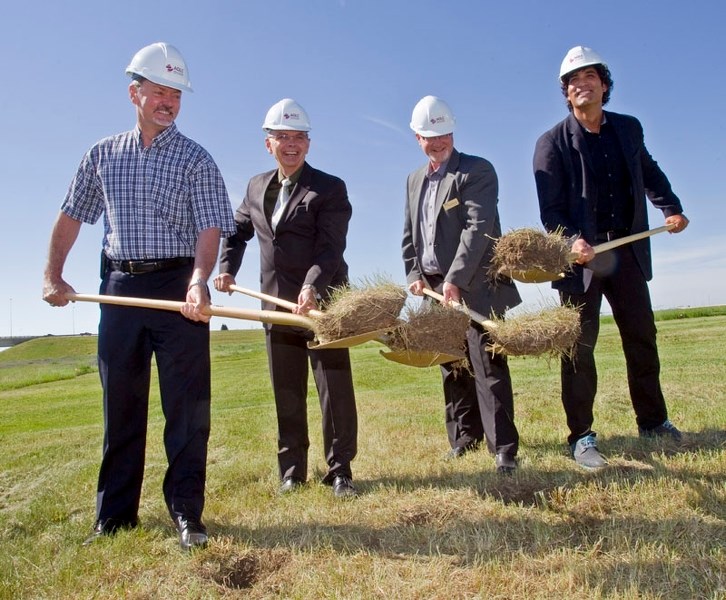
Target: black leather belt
138, 267
613, 234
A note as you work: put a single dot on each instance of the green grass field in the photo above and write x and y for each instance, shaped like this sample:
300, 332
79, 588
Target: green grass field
652, 525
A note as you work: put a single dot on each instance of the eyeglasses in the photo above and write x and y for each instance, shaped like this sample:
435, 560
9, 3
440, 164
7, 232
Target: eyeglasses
287, 137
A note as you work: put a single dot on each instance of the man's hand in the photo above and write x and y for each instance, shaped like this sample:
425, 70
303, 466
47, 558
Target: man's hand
222, 282
680, 221
417, 287
197, 300
306, 301
584, 251
452, 293
55, 290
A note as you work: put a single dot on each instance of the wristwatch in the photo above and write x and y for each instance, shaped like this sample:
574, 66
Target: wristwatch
201, 283
310, 286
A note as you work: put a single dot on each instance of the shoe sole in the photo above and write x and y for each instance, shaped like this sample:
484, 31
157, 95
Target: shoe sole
591, 467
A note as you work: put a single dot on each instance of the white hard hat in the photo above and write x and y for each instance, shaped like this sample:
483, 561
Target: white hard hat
162, 64
286, 115
579, 57
432, 117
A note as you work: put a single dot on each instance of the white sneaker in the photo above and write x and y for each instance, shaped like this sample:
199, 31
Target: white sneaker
586, 454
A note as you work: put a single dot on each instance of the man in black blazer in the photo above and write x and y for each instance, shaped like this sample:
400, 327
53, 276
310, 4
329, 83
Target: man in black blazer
451, 220
301, 219
593, 173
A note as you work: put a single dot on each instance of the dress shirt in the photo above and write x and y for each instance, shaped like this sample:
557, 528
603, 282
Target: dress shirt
155, 199
427, 220
614, 200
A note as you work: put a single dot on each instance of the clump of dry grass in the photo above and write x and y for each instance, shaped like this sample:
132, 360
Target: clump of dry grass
550, 331
230, 569
371, 305
529, 248
431, 328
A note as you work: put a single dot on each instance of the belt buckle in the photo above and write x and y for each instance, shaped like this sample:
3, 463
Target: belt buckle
136, 267
610, 235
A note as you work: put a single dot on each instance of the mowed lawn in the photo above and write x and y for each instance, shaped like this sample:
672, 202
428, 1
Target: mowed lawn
652, 525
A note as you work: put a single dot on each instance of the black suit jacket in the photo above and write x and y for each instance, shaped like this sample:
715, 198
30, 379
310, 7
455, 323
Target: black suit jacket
564, 176
467, 223
308, 244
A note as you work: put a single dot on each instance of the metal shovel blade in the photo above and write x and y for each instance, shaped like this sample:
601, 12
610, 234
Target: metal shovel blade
414, 358
348, 342
533, 275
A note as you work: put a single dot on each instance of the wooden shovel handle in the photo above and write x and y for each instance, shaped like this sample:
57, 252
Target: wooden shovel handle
263, 316
274, 300
475, 316
604, 247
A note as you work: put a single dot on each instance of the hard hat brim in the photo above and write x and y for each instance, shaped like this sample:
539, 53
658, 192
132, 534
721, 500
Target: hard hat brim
284, 128
579, 67
427, 133
134, 74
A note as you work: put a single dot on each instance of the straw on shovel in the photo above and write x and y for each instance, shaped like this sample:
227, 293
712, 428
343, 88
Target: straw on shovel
410, 358
535, 275
547, 332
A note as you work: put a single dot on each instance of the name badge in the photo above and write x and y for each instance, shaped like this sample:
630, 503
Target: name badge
451, 204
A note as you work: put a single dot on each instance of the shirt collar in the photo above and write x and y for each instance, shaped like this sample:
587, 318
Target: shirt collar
160, 140
603, 121
293, 178
438, 173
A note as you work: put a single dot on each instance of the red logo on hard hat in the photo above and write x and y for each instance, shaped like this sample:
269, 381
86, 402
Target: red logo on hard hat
172, 69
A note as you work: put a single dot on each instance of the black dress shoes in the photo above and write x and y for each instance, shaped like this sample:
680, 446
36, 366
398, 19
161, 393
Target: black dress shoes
343, 487
192, 533
459, 451
505, 463
108, 527
290, 484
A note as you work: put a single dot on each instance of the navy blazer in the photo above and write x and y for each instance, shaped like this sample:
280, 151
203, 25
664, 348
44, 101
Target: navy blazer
308, 244
467, 223
564, 177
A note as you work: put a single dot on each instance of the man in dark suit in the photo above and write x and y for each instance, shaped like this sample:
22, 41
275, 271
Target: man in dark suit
451, 219
301, 219
593, 173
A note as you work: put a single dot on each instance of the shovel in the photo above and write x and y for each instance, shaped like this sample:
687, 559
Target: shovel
487, 324
546, 336
540, 276
411, 358
263, 316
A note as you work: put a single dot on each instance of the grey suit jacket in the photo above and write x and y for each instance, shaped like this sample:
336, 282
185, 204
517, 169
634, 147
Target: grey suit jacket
467, 223
308, 244
564, 176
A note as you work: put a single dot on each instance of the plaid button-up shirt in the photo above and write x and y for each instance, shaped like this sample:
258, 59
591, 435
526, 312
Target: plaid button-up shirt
154, 200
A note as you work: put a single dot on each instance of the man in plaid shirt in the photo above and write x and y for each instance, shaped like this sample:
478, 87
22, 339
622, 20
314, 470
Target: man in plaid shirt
164, 207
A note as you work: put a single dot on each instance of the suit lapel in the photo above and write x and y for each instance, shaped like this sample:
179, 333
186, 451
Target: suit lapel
624, 141
447, 181
258, 196
415, 190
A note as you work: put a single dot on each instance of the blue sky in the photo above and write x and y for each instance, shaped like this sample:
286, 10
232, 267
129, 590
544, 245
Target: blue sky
358, 67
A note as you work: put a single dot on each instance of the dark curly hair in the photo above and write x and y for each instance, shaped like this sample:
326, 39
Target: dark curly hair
605, 76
